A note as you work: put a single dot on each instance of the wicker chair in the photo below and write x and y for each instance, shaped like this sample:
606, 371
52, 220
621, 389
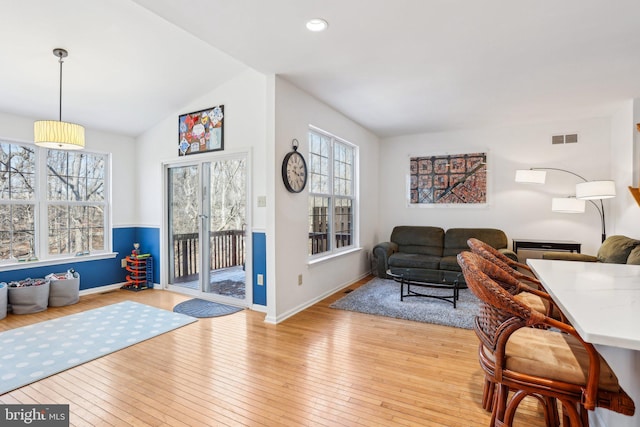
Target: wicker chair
533, 361
511, 263
534, 298
485, 251
541, 302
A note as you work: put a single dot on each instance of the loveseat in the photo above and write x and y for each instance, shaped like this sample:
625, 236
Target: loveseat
615, 250
423, 249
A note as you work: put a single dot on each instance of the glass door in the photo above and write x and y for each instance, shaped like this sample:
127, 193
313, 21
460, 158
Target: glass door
207, 222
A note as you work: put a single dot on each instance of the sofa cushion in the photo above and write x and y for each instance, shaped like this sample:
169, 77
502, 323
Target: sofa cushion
616, 249
553, 355
455, 239
450, 263
418, 239
405, 260
634, 256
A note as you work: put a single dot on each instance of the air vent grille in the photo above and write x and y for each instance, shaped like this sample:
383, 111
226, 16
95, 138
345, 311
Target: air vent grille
571, 138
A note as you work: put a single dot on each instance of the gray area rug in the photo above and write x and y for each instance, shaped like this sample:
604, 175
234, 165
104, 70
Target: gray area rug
382, 297
202, 308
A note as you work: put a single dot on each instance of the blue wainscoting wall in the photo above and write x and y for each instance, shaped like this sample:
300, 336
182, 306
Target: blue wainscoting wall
104, 272
92, 273
259, 267
149, 239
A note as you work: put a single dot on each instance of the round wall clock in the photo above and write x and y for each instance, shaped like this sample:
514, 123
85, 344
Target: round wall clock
294, 170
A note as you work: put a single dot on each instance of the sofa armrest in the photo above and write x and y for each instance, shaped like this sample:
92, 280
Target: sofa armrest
382, 252
509, 253
569, 256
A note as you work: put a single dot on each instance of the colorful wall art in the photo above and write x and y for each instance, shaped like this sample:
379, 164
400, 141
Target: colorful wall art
201, 131
452, 179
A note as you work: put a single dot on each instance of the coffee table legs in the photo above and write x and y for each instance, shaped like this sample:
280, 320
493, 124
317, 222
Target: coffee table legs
453, 299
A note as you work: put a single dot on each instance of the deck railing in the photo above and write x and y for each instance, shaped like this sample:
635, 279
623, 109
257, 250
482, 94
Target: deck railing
319, 242
227, 250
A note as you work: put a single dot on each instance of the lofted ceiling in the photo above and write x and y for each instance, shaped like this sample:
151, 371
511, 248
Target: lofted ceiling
395, 67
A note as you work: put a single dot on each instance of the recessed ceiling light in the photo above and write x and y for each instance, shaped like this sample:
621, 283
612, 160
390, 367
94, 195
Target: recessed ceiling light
317, 24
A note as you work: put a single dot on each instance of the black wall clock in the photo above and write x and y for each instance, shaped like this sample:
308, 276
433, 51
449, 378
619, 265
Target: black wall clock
294, 170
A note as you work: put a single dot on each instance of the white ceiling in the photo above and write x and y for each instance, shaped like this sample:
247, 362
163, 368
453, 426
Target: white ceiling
396, 67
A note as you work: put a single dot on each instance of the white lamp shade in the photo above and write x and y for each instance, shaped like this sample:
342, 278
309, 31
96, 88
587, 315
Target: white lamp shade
567, 205
58, 135
531, 176
593, 190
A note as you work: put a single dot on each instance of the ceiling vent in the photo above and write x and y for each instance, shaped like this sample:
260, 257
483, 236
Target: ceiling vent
571, 138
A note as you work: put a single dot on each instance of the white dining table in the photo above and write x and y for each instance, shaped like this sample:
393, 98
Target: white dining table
602, 302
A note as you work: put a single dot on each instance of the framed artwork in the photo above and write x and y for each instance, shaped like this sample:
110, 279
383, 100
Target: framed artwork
452, 179
201, 131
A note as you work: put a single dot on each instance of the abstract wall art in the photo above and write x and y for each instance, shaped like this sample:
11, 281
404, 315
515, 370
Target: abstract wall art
201, 131
451, 179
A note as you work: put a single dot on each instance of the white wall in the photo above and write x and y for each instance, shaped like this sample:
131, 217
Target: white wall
295, 110
244, 129
521, 210
122, 149
624, 159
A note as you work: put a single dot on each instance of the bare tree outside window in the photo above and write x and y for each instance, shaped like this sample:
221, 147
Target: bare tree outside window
228, 195
17, 201
76, 202
57, 211
227, 209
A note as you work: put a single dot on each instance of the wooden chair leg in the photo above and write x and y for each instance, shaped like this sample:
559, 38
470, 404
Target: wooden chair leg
487, 394
512, 407
571, 416
552, 417
499, 405
505, 410
585, 416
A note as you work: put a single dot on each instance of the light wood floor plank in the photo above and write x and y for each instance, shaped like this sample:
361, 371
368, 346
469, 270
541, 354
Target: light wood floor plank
321, 367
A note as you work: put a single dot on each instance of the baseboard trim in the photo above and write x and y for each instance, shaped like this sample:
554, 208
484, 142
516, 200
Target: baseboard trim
284, 316
101, 289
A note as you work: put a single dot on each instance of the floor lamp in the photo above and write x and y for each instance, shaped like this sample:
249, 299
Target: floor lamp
585, 191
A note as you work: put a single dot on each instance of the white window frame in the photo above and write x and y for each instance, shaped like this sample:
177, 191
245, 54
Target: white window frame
334, 250
41, 205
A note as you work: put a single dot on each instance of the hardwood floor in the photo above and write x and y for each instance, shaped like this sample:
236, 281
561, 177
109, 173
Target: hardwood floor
322, 367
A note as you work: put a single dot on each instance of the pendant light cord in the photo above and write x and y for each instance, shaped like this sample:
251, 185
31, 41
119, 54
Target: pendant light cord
60, 104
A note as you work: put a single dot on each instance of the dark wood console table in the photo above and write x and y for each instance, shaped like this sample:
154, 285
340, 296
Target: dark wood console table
546, 245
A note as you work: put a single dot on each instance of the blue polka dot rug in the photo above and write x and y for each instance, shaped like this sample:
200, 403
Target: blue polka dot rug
33, 352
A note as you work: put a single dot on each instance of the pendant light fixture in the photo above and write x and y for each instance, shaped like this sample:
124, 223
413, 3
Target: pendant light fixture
58, 134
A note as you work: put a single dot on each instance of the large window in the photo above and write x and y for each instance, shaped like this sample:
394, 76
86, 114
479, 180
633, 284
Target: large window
17, 201
332, 195
53, 203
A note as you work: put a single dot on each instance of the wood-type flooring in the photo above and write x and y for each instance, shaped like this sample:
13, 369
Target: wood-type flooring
321, 367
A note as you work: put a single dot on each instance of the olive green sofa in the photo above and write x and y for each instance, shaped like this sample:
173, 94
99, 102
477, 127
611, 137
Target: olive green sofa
423, 249
615, 250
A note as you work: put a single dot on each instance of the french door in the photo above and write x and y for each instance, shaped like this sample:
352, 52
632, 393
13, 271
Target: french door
207, 227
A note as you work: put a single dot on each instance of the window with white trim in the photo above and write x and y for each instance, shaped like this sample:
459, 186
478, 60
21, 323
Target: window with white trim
332, 195
53, 203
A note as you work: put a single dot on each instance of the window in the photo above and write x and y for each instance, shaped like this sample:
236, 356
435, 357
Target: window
53, 203
17, 201
332, 197
76, 202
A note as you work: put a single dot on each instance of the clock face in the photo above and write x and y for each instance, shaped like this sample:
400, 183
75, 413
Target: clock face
294, 172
